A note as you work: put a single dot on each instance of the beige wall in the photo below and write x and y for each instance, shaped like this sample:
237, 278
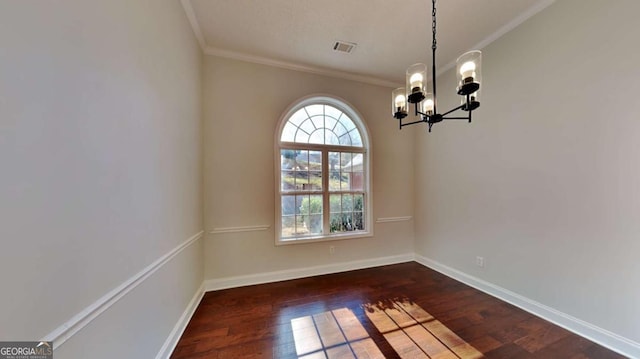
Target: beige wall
544, 183
242, 105
100, 156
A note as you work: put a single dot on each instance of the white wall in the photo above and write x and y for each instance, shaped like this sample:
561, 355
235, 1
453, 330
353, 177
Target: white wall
545, 183
100, 157
242, 105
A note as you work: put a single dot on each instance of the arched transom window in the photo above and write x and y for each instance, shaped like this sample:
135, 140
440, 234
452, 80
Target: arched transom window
323, 173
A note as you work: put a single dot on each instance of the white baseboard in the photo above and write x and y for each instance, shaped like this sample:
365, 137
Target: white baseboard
240, 281
171, 342
594, 333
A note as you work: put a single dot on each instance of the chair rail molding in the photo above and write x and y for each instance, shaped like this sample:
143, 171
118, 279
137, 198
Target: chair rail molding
61, 334
393, 219
220, 230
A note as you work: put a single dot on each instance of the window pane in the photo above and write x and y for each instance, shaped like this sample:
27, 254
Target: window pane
334, 171
347, 122
287, 181
358, 221
318, 121
358, 202
345, 140
317, 137
335, 203
330, 138
334, 161
288, 205
315, 161
301, 229
335, 127
334, 181
307, 126
329, 123
299, 165
355, 138
339, 130
357, 181
315, 181
302, 137
347, 203
332, 112
346, 181
347, 222
288, 226
297, 118
356, 162
314, 224
288, 132
315, 204
314, 110
335, 223
302, 159
311, 214
288, 159
345, 161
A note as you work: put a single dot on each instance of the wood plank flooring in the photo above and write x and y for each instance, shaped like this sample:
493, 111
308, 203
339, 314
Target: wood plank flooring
399, 311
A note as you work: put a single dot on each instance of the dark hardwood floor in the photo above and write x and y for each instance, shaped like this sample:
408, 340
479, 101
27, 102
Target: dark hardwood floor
396, 311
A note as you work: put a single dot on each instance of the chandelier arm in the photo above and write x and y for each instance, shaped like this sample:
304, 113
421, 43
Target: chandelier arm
453, 110
411, 123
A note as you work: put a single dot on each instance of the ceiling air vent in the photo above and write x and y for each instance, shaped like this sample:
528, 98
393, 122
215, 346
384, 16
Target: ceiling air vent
343, 46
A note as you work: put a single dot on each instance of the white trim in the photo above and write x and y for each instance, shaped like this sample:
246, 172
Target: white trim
366, 150
170, 344
195, 25
288, 65
517, 21
393, 219
213, 51
251, 279
220, 230
592, 332
61, 334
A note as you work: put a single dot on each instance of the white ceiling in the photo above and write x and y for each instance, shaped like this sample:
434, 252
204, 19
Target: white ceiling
391, 34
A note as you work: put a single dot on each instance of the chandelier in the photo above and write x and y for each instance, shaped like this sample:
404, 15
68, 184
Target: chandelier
417, 91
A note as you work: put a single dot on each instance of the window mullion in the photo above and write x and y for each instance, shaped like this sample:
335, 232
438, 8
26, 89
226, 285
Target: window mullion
325, 191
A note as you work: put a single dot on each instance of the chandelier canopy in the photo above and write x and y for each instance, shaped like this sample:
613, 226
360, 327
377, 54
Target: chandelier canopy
418, 93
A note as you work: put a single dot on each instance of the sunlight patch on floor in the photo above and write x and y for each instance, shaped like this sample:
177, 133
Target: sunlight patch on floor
334, 334
414, 333
410, 330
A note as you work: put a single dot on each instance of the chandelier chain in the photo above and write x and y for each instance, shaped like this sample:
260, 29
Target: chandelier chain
433, 25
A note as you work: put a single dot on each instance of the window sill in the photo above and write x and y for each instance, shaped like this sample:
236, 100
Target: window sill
327, 238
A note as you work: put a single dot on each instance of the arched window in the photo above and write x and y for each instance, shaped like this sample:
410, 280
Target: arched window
322, 167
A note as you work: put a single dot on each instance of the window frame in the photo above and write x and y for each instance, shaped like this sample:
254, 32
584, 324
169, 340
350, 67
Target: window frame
356, 118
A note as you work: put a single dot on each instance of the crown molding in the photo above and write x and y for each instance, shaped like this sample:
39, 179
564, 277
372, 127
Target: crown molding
195, 25
517, 21
317, 70
289, 65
